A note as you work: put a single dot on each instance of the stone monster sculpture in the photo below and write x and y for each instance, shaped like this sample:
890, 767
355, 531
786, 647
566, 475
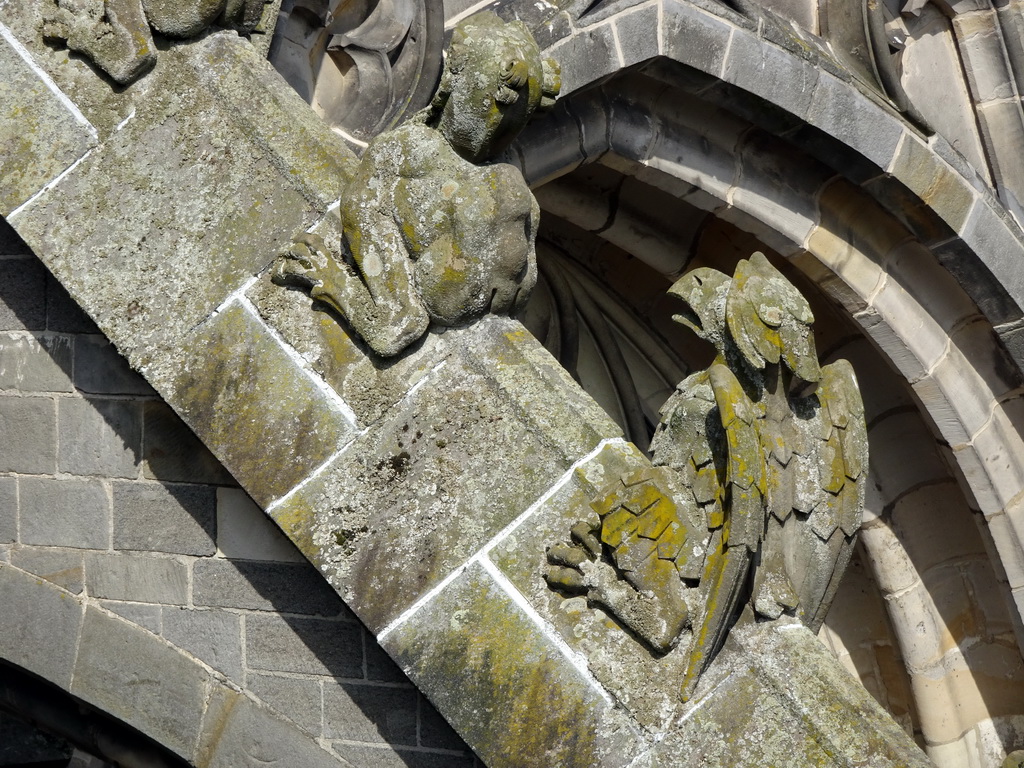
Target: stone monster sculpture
115, 34
430, 234
756, 495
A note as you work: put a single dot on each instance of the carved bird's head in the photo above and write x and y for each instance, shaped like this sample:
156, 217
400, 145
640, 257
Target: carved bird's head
704, 292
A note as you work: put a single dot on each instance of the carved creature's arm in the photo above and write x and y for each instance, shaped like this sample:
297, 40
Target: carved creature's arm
118, 41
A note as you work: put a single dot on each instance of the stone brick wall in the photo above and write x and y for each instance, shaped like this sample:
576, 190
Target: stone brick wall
110, 499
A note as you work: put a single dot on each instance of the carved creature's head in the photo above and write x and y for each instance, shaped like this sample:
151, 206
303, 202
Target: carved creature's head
704, 292
493, 81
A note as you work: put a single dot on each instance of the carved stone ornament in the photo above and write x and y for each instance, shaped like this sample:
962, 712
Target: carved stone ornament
432, 233
116, 34
755, 499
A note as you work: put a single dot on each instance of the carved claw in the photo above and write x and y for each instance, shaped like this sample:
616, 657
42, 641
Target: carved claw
564, 568
302, 263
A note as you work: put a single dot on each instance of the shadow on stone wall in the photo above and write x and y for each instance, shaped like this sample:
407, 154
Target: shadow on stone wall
105, 491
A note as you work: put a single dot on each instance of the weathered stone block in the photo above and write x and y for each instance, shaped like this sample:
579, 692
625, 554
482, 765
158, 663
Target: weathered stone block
22, 294
307, 646
165, 518
518, 701
253, 405
41, 132
128, 673
694, 38
8, 509
638, 35
29, 427
138, 578
100, 437
1001, 251
939, 186
370, 713
771, 73
284, 587
35, 363
840, 110
450, 467
586, 57
237, 731
44, 636
172, 452
188, 177
244, 532
99, 369
58, 566
297, 698
379, 666
214, 637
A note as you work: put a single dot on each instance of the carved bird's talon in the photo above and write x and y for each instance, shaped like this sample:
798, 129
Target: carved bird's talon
568, 579
583, 533
563, 554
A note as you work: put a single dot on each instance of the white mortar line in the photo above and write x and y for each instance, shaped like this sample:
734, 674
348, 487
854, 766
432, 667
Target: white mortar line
349, 137
124, 122
317, 380
502, 534
49, 185
578, 660
705, 698
565, 478
22, 51
314, 474
235, 295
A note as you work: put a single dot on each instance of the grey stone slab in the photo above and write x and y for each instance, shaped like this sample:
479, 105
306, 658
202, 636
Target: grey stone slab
244, 532
63, 567
212, 636
772, 73
99, 369
240, 732
8, 509
189, 177
841, 111
64, 513
515, 698
379, 666
22, 294
41, 633
134, 676
939, 186
972, 272
39, 131
638, 35
165, 518
410, 500
694, 38
29, 429
35, 362
172, 452
995, 244
264, 586
63, 315
586, 57
136, 578
100, 437
371, 713
276, 643
145, 615
254, 406
297, 698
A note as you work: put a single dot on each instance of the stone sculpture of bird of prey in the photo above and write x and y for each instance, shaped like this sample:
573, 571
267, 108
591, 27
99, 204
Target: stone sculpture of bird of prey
757, 489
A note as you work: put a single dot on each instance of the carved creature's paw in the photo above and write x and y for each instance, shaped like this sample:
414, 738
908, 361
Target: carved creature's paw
57, 21
302, 263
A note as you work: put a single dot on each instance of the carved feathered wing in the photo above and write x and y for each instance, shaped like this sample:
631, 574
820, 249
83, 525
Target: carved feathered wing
734, 545
822, 488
